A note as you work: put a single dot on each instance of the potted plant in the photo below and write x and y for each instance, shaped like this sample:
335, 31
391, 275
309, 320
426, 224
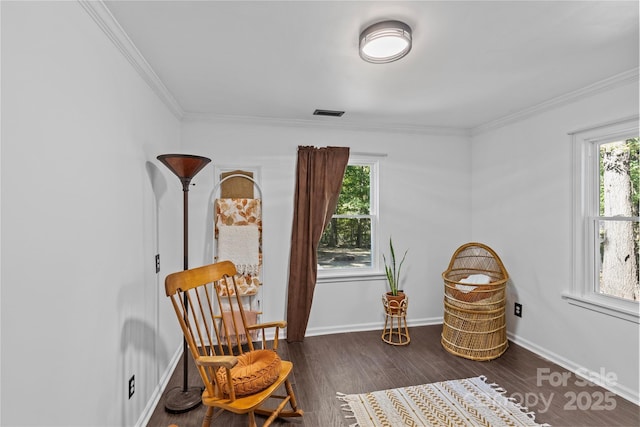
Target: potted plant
393, 276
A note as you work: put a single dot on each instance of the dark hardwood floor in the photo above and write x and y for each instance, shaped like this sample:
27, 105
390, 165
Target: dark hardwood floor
360, 362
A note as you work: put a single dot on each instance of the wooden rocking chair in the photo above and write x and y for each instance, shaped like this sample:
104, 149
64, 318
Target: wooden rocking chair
237, 377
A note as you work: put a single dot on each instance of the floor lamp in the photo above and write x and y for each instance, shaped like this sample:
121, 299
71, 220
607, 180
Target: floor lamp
185, 167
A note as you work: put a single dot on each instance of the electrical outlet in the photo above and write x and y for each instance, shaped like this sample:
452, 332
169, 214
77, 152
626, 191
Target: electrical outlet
158, 263
132, 386
517, 309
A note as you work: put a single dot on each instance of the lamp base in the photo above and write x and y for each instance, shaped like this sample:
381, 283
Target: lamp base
179, 401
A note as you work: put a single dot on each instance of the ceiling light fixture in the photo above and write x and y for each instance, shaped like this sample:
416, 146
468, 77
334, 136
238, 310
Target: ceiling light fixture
385, 42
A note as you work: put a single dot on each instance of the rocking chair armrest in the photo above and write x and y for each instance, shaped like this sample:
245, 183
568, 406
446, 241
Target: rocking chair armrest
276, 324
215, 361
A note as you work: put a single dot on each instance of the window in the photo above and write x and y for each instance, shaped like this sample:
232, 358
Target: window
606, 222
348, 245
616, 226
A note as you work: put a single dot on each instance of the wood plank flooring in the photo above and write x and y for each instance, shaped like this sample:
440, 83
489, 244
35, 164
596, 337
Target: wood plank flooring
359, 362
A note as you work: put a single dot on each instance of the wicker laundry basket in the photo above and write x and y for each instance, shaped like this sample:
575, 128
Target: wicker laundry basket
474, 324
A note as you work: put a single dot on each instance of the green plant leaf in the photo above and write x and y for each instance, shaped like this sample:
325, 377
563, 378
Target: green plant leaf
393, 273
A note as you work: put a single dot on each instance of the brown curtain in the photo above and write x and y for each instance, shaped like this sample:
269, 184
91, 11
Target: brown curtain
318, 183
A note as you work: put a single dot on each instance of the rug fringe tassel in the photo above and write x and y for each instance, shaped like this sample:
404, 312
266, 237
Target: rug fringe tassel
498, 389
495, 386
346, 407
524, 409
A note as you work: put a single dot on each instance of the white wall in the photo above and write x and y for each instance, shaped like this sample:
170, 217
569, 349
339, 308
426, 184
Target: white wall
521, 207
425, 205
84, 210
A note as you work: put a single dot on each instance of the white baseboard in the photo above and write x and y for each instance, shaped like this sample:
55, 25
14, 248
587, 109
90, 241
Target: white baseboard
157, 393
372, 326
595, 377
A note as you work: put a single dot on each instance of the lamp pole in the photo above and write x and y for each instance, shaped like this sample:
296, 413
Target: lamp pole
185, 167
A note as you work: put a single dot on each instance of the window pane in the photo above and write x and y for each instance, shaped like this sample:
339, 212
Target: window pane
355, 196
346, 243
618, 266
619, 178
618, 239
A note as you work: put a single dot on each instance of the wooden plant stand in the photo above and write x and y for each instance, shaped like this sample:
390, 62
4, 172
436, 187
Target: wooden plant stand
395, 330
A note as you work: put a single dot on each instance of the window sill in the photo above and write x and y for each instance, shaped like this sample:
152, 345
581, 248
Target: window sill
604, 307
327, 277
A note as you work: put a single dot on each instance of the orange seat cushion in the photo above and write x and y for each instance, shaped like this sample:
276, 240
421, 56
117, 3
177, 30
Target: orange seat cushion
255, 371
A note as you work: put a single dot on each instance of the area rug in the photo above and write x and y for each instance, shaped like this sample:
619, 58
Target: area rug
466, 402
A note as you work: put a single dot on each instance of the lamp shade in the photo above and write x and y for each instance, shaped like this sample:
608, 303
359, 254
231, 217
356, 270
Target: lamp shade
184, 166
385, 42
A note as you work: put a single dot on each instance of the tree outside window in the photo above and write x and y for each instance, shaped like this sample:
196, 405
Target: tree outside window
617, 225
347, 241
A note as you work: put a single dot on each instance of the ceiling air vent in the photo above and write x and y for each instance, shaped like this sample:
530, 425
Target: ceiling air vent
330, 113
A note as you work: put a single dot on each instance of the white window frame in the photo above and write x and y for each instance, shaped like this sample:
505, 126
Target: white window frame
362, 273
585, 145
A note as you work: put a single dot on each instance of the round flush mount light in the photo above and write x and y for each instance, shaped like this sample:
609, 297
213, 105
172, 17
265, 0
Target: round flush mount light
385, 42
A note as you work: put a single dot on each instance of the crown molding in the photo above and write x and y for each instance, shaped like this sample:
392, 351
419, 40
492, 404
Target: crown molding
326, 123
621, 79
110, 26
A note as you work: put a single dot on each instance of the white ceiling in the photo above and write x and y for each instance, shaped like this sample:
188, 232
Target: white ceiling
472, 62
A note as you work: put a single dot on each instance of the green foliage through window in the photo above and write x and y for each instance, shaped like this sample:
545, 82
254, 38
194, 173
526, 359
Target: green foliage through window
346, 243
